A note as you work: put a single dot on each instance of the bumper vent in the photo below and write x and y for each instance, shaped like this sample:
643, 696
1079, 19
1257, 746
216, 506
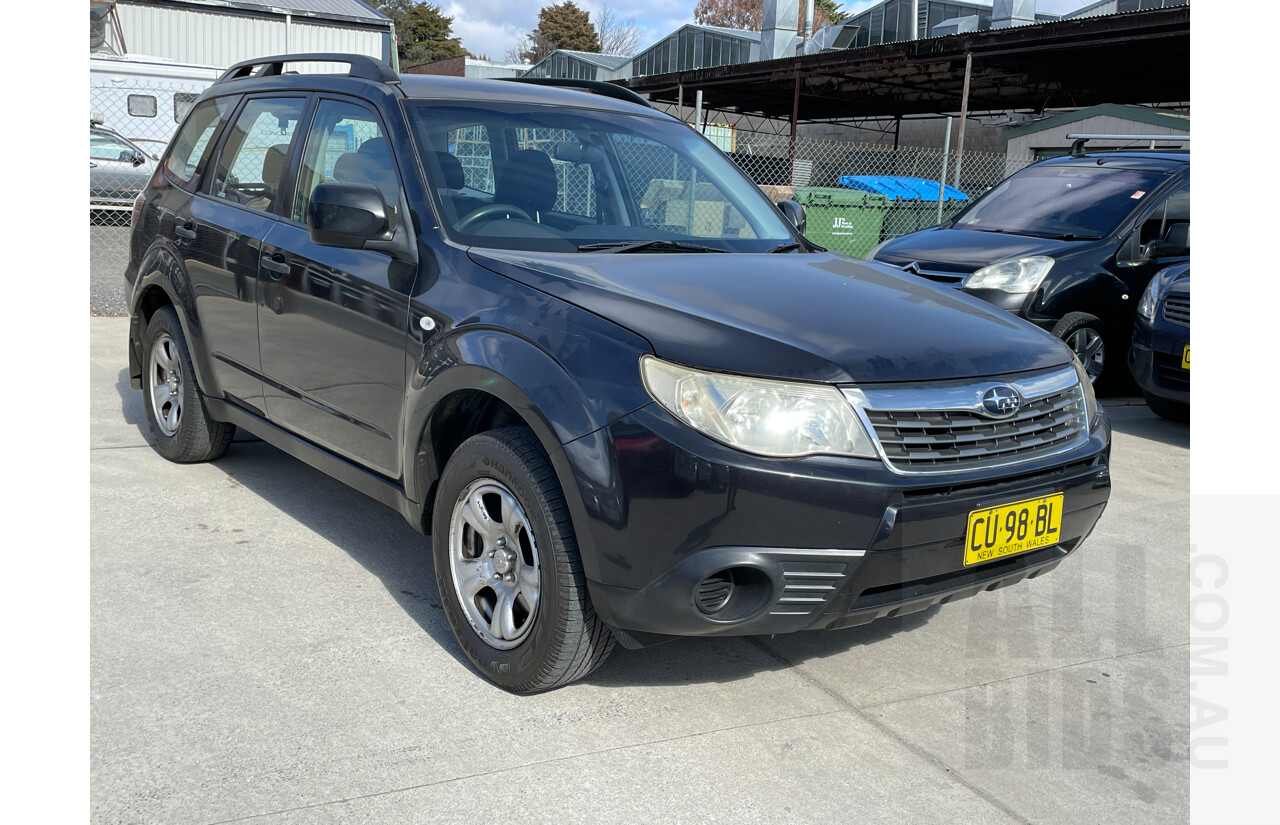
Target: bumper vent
1177, 310
714, 591
942, 428
1170, 374
808, 586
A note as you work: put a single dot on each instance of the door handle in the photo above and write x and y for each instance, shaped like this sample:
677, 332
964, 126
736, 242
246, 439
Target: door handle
187, 231
277, 264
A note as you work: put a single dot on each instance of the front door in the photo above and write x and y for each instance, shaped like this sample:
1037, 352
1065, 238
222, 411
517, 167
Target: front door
333, 323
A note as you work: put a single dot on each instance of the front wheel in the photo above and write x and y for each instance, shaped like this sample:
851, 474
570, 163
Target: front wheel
507, 566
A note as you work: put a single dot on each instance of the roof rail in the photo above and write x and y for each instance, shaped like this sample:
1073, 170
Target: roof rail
598, 86
1078, 141
362, 66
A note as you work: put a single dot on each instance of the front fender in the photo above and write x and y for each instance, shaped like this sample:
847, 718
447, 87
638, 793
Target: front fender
562, 399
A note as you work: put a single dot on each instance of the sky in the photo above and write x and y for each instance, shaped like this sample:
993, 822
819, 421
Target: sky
490, 27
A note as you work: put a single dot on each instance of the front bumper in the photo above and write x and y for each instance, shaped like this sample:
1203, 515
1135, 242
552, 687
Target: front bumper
1155, 360
816, 543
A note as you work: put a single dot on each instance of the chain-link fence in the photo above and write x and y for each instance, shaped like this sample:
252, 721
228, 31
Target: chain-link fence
857, 195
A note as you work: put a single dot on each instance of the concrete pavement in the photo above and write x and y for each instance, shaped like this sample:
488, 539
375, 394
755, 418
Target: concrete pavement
268, 646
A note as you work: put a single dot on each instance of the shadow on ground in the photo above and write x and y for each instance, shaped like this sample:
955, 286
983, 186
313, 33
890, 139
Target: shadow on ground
380, 540
1139, 421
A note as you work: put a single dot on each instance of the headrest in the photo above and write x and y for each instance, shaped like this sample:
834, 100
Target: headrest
529, 181
1179, 234
273, 165
454, 176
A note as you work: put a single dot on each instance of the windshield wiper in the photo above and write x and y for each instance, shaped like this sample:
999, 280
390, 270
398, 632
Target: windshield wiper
786, 247
615, 247
1071, 236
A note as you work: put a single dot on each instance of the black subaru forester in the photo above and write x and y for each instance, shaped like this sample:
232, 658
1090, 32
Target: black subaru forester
561, 333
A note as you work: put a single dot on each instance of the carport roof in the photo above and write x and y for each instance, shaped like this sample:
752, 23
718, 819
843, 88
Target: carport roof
1137, 114
1138, 57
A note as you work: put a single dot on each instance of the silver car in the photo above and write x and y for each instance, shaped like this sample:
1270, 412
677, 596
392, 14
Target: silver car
118, 169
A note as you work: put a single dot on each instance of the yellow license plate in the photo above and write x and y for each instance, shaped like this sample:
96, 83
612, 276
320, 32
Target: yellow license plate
1002, 531
1186, 357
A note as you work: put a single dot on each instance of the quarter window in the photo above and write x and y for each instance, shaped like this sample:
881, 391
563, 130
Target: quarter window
255, 155
193, 139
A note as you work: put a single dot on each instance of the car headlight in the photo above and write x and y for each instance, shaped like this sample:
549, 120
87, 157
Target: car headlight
1013, 275
1147, 304
773, 418
1086, 387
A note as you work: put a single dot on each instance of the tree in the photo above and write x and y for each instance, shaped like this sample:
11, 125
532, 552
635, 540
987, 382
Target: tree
617, 35
749, 14
563, 26
423, 32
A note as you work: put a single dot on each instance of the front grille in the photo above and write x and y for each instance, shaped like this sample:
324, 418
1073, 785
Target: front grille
1177, 310
940, 439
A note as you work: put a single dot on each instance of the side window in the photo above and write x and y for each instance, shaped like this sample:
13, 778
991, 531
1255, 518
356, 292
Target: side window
470, 145
346, 144
666, 193
182, 102
256, 152
1175, 209
106, 147
193, 138
142, 106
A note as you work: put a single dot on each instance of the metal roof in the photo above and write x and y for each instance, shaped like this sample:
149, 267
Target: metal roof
607, 61
352, 10
1135, 57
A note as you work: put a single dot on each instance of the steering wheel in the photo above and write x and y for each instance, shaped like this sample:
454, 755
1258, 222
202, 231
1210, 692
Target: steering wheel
490, 210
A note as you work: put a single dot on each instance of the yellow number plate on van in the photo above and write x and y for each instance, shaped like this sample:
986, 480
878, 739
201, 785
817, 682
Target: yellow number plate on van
1013, 528
1186, 357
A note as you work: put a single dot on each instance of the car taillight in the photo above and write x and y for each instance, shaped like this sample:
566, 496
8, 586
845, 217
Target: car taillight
137, 209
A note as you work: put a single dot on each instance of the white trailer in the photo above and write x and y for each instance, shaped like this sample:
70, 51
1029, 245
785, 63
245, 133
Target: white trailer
144, 98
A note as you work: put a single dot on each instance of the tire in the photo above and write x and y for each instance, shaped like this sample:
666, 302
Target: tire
176, 416
1170, 410
1086, 337
532, 628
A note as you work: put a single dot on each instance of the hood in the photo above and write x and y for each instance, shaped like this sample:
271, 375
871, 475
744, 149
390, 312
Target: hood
809, 317
967, 250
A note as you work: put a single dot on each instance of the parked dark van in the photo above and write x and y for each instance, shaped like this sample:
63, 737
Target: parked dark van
560, 332
1068, 243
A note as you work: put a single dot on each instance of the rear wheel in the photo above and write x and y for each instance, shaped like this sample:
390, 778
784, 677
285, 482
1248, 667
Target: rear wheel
508, 569
176, 416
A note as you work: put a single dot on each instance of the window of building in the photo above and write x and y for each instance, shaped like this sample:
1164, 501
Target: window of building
182, 103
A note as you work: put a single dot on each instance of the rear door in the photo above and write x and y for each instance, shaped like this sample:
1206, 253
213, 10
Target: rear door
222, 237
333, 323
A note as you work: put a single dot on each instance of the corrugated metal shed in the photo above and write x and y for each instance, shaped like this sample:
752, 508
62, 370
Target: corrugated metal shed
222, 33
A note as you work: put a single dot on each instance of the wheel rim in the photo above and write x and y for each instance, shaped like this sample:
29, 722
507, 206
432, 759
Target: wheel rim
1087, 345
166, 388
494, 563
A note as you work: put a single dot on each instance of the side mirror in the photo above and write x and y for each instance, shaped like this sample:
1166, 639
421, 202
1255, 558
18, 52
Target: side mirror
138, 158
347, 215
794, 212
1163, 249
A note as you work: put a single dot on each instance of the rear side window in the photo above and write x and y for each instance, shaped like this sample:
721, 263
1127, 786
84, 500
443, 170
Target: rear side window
255, 154
183, 161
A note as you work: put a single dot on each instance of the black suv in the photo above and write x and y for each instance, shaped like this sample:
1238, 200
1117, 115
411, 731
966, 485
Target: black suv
563, 334
1068, 243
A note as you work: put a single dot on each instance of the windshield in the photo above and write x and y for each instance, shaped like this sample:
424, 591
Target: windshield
1070, 201
520, 176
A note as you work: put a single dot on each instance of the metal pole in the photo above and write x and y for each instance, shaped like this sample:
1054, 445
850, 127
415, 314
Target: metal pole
964, 115
697, 115
680, 102
791, 145
942, 181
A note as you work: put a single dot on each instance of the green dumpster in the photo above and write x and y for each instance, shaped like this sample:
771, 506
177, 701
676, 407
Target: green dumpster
842, 220
907, 216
